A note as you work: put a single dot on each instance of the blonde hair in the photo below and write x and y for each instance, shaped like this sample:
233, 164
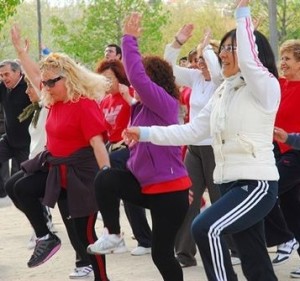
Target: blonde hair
291, 46
80, 82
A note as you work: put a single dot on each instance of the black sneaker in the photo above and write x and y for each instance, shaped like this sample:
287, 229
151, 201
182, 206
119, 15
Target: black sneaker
186, 263
44, 250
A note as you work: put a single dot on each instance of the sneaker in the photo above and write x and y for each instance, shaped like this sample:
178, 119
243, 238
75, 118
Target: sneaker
99, 217
51, 227
235, 261
5, 202
140, 251
32, 242
185, 263
44, 250
108, 244
81, 272
284, 251
295, 274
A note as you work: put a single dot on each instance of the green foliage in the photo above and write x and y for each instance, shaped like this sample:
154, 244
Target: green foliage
101, 23
82, 28
203, 17
288, 13
7, 9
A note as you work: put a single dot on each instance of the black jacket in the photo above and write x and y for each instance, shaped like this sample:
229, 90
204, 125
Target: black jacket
82, 168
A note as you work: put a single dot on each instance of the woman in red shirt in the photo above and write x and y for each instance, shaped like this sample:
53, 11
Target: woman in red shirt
75, 151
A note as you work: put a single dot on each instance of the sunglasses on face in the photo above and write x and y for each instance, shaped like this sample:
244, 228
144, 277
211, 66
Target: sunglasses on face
51, 82
227, 48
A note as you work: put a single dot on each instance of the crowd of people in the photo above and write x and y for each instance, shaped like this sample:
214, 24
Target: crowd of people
89, 140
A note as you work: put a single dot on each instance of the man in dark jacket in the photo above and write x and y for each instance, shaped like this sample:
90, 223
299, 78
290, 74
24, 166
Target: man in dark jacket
13, 98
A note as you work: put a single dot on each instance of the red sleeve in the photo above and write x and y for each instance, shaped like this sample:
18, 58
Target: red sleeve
92, 120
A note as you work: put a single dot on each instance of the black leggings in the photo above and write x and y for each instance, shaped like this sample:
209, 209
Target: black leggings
26, 192
167, 212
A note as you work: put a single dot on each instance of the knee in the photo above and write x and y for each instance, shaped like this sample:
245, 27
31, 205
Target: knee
199, 229
158, 258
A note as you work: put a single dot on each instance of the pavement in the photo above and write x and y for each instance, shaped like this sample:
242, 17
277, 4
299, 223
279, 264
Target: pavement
15, 232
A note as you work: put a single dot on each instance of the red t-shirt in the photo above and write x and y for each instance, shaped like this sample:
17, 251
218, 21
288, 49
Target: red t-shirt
185, 96
116, 112
71, 125
287, 116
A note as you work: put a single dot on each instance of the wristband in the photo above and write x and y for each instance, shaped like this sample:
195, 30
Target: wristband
176, 39
104, 168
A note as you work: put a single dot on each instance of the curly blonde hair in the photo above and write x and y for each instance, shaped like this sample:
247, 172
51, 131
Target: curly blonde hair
291, 46
79, 81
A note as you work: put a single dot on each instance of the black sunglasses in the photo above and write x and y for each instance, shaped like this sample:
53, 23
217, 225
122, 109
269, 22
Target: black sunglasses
51, 82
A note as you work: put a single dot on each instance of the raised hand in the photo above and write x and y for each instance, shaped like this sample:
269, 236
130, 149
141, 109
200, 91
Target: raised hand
242, 3
205, 40
16, 40
132, 25
184, 33
257, 22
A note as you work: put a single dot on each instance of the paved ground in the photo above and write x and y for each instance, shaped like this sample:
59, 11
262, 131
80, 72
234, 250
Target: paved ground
15, 232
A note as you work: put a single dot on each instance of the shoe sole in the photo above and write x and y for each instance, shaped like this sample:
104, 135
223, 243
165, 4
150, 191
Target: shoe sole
187, 265
81, 277
54, 250
119, 250
141, 254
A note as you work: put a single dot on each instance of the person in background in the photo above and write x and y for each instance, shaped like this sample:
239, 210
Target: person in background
155, 177
116, 111
281, 225
113, 52
199, 159
240, 118
16, 140
4, 168
193, 59
183, 62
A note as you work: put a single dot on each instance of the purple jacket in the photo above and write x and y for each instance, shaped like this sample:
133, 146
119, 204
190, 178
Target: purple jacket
150, 163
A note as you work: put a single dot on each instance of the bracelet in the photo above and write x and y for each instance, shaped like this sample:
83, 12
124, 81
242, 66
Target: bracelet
104, 168
176, 39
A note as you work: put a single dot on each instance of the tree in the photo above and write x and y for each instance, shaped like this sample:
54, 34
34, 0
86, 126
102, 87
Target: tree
272, 7
101, 23
205, 16
7, 9
288, 13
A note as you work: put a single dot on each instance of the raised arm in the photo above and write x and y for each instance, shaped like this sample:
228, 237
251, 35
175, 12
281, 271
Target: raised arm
152, 95
30, 67
264, 86
210, 57
184, 76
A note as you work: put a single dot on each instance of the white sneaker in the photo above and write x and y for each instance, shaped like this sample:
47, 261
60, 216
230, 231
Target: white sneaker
99, 216
295, 274
108, 244
284, 251
235, 261
5, 202
32, 242
81, 272
140, 251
